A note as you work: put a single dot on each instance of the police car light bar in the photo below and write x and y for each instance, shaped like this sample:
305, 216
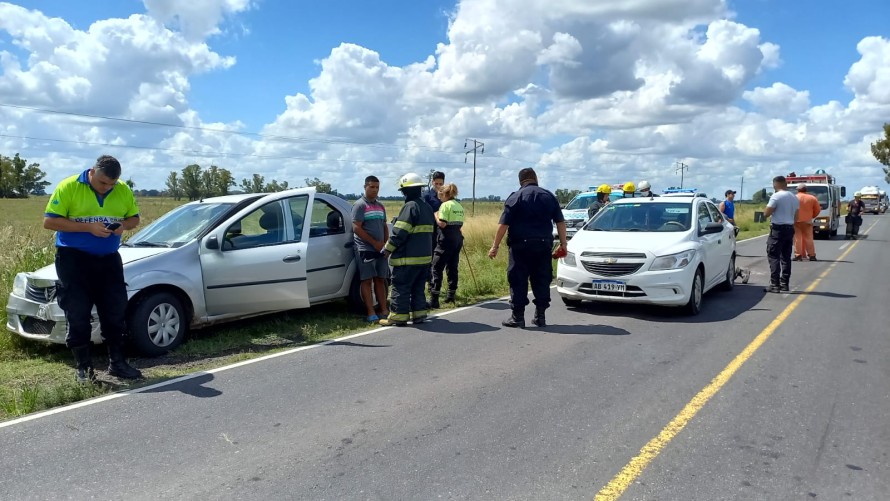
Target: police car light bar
680, 190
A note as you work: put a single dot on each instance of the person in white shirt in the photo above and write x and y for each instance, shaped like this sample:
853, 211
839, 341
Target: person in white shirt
782, 210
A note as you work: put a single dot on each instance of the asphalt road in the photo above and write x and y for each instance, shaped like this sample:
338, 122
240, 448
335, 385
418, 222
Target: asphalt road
462, 408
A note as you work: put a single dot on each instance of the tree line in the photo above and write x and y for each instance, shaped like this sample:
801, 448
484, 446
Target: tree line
19, 179
195, 183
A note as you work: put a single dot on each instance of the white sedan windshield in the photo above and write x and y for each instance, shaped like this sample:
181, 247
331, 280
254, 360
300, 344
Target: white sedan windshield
660, 217
179, 226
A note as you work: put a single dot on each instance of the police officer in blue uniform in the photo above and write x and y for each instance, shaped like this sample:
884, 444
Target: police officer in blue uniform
527, 220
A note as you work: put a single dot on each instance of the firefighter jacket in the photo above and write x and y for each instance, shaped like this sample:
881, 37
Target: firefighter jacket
411, 240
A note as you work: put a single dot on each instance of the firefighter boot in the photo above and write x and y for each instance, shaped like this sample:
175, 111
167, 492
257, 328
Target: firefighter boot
83, 360
434, 300
117, 363
539, 320
449, 298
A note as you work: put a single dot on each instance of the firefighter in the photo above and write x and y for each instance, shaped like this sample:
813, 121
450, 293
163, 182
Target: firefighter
629, 189
602, 199
529, 215
410, 250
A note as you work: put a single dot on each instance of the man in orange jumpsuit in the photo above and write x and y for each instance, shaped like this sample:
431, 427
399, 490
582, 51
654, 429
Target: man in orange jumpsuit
803, 226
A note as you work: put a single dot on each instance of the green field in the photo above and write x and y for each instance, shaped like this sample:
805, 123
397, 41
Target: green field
36, 376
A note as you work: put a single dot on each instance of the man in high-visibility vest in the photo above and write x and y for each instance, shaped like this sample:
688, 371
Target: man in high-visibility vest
410, 252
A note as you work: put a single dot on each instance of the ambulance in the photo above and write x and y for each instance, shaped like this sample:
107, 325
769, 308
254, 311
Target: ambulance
825, 188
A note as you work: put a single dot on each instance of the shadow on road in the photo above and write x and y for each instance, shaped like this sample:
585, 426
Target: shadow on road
496, 305
445, 326
717, 306
357, 345
194, 387
587, 330
823, 294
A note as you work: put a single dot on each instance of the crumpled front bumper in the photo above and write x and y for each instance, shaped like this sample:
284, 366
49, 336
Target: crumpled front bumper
42, 321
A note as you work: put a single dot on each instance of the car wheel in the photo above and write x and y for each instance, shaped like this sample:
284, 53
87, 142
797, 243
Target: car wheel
571, 303
693, 307
157, 324
729, 281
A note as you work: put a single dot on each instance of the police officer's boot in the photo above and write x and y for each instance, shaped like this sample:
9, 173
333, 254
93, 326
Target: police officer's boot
539, 320
517, 319
83, 360
434, 299
117, 363
449, 298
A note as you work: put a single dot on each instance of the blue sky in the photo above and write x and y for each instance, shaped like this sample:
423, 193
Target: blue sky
583, 91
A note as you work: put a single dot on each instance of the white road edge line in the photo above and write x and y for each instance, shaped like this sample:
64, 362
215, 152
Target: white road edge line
121, 394
143, 389
842, 247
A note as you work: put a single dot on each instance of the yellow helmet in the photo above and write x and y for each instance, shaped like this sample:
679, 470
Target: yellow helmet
604, 188
629, 187
410, 179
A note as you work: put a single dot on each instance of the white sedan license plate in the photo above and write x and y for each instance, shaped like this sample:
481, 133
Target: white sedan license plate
609, 286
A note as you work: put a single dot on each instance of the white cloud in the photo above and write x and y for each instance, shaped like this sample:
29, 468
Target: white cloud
195, 19
586, 91
778, 100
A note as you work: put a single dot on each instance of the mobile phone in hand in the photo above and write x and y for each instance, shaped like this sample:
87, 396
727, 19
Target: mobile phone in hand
112, 226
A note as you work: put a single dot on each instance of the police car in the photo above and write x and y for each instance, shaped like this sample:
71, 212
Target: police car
575, 212
667, 250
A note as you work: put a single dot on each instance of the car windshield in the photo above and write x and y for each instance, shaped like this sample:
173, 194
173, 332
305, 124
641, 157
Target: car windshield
580, 203
179, 226
660, 217
821, 194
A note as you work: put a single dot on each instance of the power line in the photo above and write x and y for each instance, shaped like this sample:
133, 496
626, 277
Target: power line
220, 154
227, 131
297, 139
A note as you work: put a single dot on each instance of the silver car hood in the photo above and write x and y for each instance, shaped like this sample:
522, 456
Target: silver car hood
128, 255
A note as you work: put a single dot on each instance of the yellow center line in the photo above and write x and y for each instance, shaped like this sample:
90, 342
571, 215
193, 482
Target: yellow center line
620, 482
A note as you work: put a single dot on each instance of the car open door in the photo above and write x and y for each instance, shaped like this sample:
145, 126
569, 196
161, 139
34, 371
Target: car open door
256, 261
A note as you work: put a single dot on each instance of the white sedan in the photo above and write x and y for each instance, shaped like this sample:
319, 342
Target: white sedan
667, 251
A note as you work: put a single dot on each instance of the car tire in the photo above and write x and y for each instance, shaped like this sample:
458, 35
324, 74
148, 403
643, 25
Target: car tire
571, 303
157, 324
729, 281
696, 291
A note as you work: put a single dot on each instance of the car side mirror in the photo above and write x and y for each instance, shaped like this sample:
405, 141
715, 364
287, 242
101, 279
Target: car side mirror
212, 242
843, 191
712, 228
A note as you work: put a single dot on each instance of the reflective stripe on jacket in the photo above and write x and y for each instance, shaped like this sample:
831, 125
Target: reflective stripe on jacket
411, 241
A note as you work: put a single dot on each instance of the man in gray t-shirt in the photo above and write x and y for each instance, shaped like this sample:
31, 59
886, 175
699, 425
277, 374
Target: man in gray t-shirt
782, 211
370, 234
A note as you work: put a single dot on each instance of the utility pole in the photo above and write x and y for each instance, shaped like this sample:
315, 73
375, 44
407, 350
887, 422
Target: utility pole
682, 168
742, 190
480, 146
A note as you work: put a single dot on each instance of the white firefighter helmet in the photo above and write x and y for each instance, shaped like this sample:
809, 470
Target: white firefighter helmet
410, 179
644, 185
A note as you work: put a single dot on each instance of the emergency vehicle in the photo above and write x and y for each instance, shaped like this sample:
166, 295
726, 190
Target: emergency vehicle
824, 187
871, 197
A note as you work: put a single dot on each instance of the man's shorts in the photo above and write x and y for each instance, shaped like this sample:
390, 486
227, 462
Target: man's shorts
371, 265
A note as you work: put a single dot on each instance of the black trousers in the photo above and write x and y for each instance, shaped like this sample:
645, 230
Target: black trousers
407, 298
530, 261
86, 280
446, 258
779, 247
